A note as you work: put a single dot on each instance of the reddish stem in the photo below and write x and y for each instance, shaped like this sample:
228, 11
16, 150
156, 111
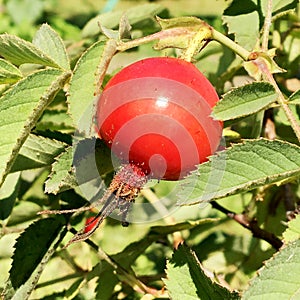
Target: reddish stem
120, 194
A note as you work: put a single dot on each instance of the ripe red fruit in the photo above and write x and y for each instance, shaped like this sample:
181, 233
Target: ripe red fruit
155, 114
90, 224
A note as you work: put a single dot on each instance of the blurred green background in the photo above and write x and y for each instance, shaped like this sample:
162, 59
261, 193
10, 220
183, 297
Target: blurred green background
221, 244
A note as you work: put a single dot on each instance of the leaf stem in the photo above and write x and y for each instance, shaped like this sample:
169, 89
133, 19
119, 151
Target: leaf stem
163, 211
224, 40
261, 64
168, 33
109, 51
267, 25
133, 281
250, 225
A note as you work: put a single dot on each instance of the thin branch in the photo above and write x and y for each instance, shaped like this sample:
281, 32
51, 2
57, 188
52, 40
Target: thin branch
131, 279
226, 41
164, 213
250, 225
267, 25
261, 64
168, 33
58, 280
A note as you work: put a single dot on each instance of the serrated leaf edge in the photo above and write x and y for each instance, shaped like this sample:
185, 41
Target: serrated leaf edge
61, 44
50, 176
241, 187
45, 99
233, 90
51, 62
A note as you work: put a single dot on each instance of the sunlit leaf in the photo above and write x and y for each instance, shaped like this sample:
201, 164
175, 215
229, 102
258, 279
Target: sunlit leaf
47, 40
238, 24
61, 177
245, 100
111, 20
8, 72
37, 152
295, 98
20, 107
19, 51
278, 6
279, 278
292, 233
241, 168
186, 279
86, 82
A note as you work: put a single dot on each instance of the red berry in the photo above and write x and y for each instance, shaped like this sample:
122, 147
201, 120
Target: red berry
155, 114
90, 224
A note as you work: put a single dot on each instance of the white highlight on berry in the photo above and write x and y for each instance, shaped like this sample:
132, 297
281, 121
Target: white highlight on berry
162, 102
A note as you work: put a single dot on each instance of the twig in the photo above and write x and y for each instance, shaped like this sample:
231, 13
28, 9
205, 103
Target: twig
261, 64
267, 25
123, 46
163, 211
226, 41
131, 279
58, 280
250, 225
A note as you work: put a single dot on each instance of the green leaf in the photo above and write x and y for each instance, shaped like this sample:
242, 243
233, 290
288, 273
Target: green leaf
24, 291
238, 24
55, 120
8, 195
8, 72
135, 14
292, 233
279, 278
295, 98
106, 282
245, 100
37, 152
108, 278
186, 279
91, 159
240, 14
189, 28
291, 46
21, 107
31, 247
278, 6
85, 83
241, 168
47, 40
61, 177
73, 290
67, 30
81, 165
237, 7
19, 51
